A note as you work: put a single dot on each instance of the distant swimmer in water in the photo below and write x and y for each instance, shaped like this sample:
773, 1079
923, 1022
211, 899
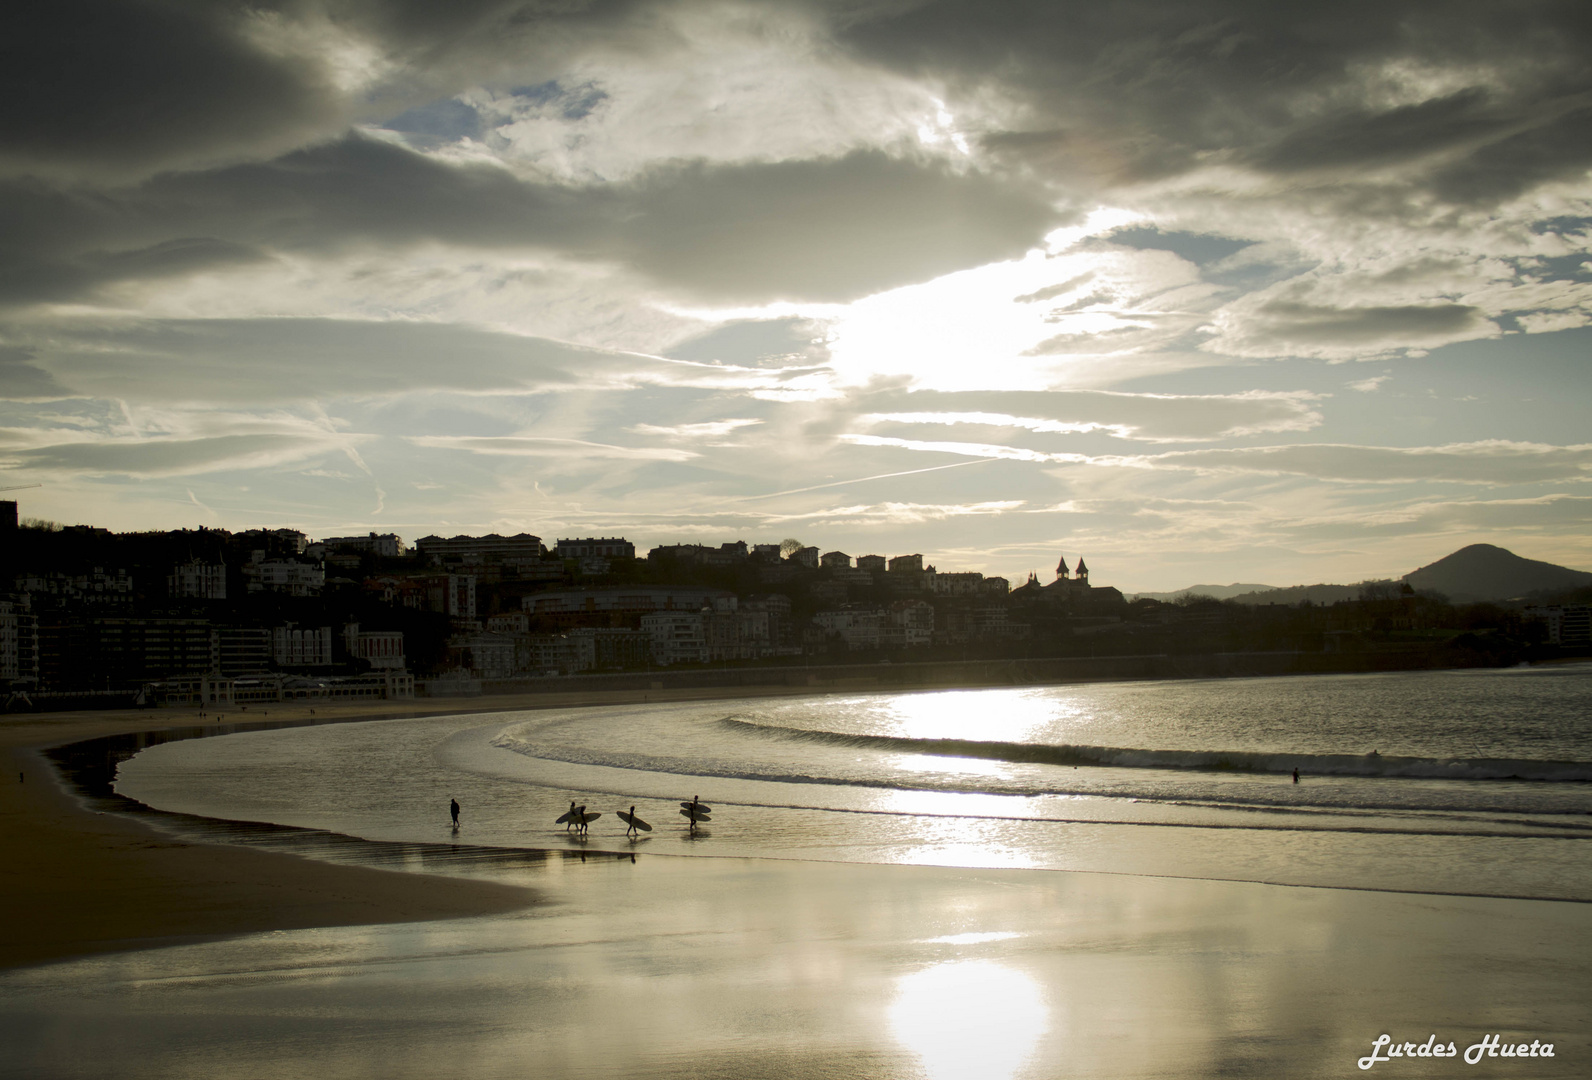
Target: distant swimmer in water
1296, 774
453, 807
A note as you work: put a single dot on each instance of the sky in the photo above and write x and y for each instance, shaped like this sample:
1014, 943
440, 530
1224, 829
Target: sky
1202, 291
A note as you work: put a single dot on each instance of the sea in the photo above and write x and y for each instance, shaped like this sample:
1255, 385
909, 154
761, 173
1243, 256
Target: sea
1473, 782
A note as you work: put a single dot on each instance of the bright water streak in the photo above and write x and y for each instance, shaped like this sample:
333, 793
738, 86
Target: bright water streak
1463, 782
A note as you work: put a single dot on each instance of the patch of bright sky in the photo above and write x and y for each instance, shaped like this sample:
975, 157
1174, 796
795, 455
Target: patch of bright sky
985, 328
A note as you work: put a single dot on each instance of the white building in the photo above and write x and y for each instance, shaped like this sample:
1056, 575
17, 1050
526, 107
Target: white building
1568, 624
198, 581
387, 545
602, 547
678, 637
293, 578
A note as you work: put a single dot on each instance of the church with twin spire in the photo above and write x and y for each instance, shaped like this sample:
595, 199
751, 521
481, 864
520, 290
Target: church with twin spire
1070, 585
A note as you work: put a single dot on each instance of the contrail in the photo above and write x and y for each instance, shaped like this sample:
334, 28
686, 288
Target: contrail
860, 480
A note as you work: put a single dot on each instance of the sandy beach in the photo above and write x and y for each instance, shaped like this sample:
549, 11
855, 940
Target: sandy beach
73, 882
166, 958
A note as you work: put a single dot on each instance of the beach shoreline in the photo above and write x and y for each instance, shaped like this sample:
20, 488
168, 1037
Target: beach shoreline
76, 882
812, 967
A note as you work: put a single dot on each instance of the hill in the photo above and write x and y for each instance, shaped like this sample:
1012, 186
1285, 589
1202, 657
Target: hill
1219, 592
1483, 572
1298, 594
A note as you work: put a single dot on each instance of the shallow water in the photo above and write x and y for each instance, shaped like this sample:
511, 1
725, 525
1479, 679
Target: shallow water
1446, 782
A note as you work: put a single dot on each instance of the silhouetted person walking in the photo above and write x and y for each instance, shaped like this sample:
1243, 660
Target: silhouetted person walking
453, 806
1296, 774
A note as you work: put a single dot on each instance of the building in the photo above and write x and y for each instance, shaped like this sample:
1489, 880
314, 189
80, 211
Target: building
483, 654
197, 581
292, 578
19, 642
857, 627
909, 624
730, 554
386, 545
807, 556
602, 547
562, 609
835, 560
677, 637
871, 563
93, 652
295, 648
955, 584
385, 685
480, 549
912, 564
379, 648
614, 648
452, 595
244, 650
1568, 624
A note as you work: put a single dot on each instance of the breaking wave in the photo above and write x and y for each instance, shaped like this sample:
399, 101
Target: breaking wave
1372, 764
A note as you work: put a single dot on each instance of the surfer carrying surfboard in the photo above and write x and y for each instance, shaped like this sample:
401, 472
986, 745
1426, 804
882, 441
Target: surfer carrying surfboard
695, 811
635, 824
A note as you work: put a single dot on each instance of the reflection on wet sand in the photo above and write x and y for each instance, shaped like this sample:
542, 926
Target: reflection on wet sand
969, 1019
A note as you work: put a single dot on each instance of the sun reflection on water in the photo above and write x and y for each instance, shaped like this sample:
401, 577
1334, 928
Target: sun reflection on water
986, 715
969, 1018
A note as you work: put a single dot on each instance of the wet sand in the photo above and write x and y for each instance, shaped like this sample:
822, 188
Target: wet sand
73, 882
669, 967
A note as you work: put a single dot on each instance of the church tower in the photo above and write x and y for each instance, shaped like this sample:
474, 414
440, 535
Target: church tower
1083, 572
1061, 569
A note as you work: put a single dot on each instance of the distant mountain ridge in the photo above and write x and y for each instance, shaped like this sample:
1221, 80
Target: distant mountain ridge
1298, 594
1478, 573
1219, 592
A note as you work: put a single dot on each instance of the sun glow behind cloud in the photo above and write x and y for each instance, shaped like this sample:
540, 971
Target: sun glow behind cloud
713, 268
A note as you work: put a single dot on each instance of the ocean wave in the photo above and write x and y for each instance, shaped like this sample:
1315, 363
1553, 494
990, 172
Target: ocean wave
1371, 764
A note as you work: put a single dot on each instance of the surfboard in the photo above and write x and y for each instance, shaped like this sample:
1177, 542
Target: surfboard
702, 806
570, 816
697, 815
594, 815
630, 819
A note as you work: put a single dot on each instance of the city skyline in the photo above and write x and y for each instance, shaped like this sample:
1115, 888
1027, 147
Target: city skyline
1199, 292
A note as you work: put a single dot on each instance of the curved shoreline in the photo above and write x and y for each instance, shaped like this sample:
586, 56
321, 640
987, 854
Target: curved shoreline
76, 881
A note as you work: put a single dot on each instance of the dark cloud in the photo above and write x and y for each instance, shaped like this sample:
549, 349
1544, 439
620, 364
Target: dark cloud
1290, 321
124, 85
109, 89
823, 230
1197, 248
21, 380
1559, 149
831, 229
263, 361
1128, 91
